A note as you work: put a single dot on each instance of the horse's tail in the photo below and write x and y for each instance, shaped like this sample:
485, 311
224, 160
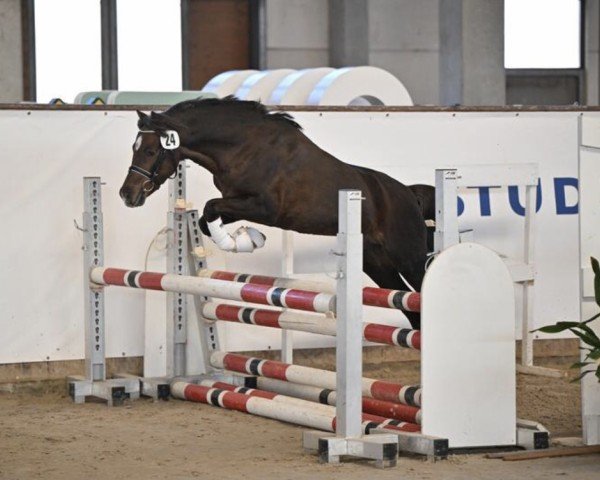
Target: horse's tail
425, 195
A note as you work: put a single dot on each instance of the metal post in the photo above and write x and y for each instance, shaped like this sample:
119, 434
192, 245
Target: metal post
446, 214
177, 264
287, 269
349, 312
209, 334
93, 256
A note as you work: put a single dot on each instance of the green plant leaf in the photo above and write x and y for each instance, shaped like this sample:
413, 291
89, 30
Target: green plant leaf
595, 266
594, 354
591, 333
583, 374
580, 364
557, 327
585, 337
591, 319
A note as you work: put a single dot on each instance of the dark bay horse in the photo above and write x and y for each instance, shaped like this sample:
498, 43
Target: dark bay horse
270, 173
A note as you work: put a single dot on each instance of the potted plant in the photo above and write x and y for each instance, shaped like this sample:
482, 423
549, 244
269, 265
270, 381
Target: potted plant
584, 332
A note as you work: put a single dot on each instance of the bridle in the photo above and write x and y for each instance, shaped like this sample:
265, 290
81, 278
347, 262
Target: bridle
150, 176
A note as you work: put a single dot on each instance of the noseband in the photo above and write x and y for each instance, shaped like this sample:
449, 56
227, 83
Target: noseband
150, 176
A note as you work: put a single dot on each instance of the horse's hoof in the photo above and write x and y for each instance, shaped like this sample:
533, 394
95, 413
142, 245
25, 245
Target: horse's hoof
247, 239
258, 238
243, 241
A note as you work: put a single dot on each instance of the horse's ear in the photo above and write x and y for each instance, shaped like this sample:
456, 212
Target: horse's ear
143, 119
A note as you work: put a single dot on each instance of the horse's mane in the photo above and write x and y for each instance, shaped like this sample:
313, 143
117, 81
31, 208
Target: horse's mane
233, 103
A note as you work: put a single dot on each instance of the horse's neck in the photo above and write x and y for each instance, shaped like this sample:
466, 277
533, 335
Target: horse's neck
211, 155
219, 143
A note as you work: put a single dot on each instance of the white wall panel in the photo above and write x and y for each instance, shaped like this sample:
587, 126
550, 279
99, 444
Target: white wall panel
48, 152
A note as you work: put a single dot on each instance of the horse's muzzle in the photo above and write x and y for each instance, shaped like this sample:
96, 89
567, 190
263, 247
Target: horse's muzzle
127, 195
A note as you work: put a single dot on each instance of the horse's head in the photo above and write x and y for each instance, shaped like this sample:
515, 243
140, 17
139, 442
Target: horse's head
155, 158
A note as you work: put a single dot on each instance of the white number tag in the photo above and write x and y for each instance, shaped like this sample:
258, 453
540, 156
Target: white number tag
170, 140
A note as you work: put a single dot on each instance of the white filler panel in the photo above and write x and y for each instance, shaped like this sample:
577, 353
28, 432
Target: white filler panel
468, 355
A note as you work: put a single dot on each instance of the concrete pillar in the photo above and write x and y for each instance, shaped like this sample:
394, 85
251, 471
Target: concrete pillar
348, 33
11, 56
404, 40
296, 33
591, 52
472, 52
110, 64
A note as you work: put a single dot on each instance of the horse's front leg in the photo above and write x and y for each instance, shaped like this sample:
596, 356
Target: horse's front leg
220, 211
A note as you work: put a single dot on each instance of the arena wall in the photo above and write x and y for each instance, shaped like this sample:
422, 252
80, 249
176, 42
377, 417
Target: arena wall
45, 154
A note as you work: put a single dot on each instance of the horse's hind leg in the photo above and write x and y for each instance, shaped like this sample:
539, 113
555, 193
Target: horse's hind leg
386, 275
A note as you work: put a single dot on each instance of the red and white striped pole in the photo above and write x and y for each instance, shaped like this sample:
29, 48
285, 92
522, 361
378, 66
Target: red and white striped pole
325, 396
277, 407
380, 390
208, 287
375, 297
288, 320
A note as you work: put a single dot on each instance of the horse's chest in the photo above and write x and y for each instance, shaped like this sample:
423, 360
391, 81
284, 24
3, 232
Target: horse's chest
229, 185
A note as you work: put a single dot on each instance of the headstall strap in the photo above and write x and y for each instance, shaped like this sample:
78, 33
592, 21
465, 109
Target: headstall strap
152, 174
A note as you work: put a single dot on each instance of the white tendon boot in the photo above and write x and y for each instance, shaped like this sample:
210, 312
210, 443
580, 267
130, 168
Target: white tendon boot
245, 239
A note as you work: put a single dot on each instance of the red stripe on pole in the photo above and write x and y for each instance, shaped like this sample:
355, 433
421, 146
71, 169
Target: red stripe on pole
235, 401
234, 362
300, 300
405, 413
413, 302
150, 280
376, 297
381, 422
263, 394
195, 393
416, 339
379, 333
273, 369
254, 293
221, 275
231, 400
263, 280
227, 312
267, 318
253, 392
387, 391
115, 276
223, 386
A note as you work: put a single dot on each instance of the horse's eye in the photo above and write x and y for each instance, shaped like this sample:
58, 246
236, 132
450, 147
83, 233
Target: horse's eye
149, 152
